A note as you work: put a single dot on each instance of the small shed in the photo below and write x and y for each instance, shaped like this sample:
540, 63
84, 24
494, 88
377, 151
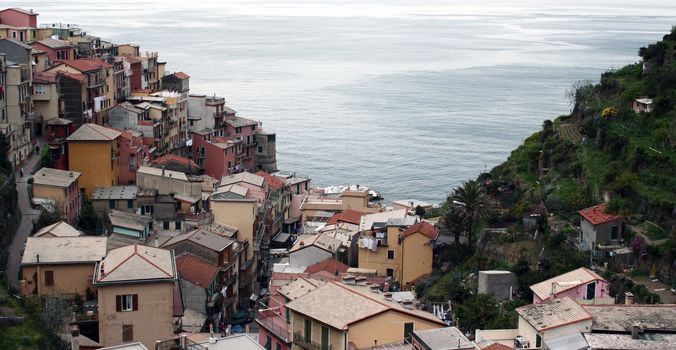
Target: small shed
499, 284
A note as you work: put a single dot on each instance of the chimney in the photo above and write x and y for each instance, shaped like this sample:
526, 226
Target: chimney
635, 330
553, 292
102, 270
37, 258
163, 171
71, 174
628, 298
157, 242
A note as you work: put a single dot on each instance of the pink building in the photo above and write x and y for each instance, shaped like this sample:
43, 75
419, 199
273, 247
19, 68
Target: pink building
133, 154
17, 17
580, 284
56, 50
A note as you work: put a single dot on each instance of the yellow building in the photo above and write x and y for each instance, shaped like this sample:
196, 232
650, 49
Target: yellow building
231, 206
60, 265
138, 296
93, 151
340, 316
398, 248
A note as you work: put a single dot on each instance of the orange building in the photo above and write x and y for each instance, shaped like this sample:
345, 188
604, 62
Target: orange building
93, 152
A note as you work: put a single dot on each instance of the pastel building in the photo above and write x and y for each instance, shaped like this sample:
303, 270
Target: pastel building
93, 151
62, 188
579, 284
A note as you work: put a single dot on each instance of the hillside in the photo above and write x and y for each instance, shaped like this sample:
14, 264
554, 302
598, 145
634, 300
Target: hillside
603, 150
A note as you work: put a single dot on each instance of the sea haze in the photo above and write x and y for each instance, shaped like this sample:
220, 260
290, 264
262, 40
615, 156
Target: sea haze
409, 98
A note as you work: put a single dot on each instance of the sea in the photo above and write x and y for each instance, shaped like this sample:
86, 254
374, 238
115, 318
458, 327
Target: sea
409, 98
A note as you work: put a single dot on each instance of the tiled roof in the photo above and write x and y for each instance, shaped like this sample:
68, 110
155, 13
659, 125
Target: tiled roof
621, 317
59, 121
202, 237
84, 64
564, 282
159, 172
55, 177
93, 132
446, 338
77, 76
242, 177
423, 227
181, 75
44, 77
195, 270
300, 287
553, 313
54, 43
174, 158
237, 122
330, 265
59, 229
339, 305
367, 221
497, 346
17, 42
597, 214
322, 241
59, 250
351, 216
230, 192
128, 220
135, 263
271, 180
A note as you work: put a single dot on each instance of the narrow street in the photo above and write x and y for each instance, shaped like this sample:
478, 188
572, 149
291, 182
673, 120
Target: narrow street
28, 214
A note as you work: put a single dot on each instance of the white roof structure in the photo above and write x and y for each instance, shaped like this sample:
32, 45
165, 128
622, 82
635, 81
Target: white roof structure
162, 172
368, 220
243, 177
136, 263
55, 177
64, 250
59, 229
553, 313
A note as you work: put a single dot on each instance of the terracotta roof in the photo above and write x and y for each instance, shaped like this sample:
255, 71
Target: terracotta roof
132, 59
564, 282
44, 77
351, 216
93, 132
174, 158
423, 227
77, 76
498, 346
271, 180
597, 214
321, 241
553, 313
84, 64
195, 270
330, 265
181, 75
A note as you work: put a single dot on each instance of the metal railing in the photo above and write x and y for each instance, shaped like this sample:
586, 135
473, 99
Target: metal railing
300, 340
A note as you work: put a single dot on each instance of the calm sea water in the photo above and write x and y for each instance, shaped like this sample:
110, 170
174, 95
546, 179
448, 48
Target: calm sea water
409, 98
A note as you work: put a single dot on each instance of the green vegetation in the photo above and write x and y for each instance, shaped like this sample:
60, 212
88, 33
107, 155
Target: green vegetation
522, 214
9, 215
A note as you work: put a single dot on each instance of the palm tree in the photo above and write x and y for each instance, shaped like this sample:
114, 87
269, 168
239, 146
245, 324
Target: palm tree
474, 206
453, 221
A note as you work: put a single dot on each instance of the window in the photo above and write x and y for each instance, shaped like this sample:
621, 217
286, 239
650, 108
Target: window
538, 340
408, 328
238, 130
127, 333
178, 225
260, 149
390, 254
278, 346
126, 302
49, 278
111, 204
325, 338
40, 89
613, 233
308, 330
130, 203
591, 291
390, 273
165, 225
268, 343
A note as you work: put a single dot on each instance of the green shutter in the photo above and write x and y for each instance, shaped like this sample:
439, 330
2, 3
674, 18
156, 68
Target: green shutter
308, 330
325, 338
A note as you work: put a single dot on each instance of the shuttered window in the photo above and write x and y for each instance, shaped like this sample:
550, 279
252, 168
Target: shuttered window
126, 302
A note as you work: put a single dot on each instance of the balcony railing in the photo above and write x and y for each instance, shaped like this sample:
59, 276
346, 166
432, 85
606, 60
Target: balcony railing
299, 339
275, 324
232, 279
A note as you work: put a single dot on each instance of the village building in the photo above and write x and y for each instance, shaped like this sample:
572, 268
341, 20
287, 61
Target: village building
122, 198
61, 188
138, 296
93, 151
61, 265
311, 249
59, 229
601, 230
129, 224
553, 318
579, 284
642, 105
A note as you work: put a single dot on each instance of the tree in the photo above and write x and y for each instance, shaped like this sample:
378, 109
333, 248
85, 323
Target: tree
474, 206
49, 215
453, 222
5, 164
480, 311
88, 220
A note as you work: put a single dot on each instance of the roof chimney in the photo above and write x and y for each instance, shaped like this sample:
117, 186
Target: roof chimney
37, 258
163, 170
157, 242
553, 292
635, 330
102, 270
628, 298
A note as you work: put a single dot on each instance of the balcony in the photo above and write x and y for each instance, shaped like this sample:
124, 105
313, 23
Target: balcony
299, 339
276, 324
232, 279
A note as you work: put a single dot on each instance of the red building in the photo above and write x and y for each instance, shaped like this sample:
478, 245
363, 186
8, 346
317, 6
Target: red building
55, 49
17, 17
214, 154
136, 73
58, 130
133, 154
